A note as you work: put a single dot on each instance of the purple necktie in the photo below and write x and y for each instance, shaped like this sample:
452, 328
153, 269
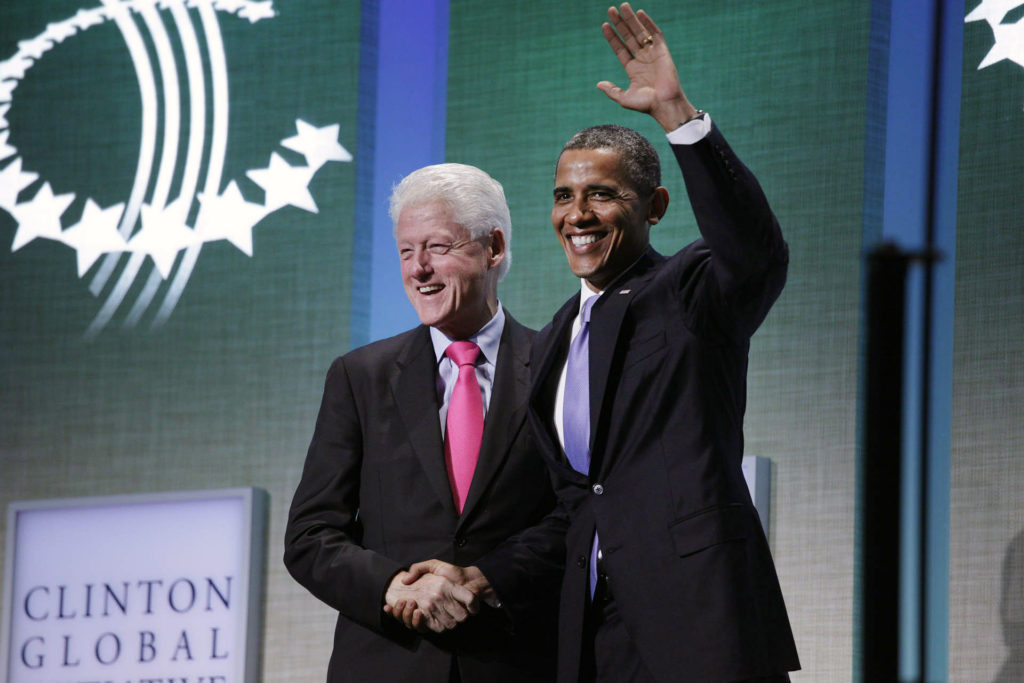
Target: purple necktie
576, 403
464, 427
576, 411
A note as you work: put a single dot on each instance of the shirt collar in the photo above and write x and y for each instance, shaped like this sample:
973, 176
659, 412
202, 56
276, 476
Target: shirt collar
487, 338
585, 293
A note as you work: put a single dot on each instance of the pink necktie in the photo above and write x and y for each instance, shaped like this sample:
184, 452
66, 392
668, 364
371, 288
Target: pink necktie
465, 424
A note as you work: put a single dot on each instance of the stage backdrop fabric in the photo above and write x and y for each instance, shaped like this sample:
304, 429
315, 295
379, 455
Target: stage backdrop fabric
986, 591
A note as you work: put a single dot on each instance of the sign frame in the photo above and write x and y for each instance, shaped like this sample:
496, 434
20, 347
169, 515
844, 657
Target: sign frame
253, 506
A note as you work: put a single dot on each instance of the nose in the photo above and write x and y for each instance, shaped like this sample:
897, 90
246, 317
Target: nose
577, 212
420, 267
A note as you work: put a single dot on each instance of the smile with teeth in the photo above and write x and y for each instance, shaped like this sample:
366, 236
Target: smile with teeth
584, 240
430, 289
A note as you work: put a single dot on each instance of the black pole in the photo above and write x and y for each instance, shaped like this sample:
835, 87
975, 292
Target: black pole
887, 271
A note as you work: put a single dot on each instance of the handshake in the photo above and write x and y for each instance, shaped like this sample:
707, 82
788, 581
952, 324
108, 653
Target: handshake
437, 596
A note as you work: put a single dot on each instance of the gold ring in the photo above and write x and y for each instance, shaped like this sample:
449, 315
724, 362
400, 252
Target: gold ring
647, 41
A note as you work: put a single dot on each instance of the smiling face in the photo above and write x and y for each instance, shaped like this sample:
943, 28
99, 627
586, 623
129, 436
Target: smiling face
601, 221
449, 277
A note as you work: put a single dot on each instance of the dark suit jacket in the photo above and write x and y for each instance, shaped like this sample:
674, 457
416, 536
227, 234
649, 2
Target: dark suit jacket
374, 498
689, 565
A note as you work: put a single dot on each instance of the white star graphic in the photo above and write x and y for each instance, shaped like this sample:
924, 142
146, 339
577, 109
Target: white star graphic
1009, 38
84, 18
163, 235
36, 47
13, 181
40, 216
3, 115
5, 149
228, 216
15, 67
318, 145
7, 90
58, 32
992, 11
1009, 44
255, 11
96, 234
285, 184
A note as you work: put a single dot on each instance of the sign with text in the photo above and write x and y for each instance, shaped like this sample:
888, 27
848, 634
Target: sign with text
135, 588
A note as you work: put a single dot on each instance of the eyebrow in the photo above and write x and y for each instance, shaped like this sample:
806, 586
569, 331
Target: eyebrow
594, 186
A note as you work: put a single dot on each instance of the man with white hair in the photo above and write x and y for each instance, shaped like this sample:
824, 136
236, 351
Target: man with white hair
421, 450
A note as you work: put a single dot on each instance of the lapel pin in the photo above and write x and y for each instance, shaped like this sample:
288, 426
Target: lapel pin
626, 291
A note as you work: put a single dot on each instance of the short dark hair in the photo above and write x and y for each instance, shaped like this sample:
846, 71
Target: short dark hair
636, 154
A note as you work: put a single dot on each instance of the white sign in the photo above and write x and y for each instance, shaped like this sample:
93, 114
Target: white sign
135, 589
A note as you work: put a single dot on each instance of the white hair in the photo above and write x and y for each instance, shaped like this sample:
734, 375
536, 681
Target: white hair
476, 200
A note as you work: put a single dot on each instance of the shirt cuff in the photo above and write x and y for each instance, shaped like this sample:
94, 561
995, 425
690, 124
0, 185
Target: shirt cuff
692, 131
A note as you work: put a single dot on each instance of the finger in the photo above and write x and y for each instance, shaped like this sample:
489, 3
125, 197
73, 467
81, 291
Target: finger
611, 90
632, 31
456, 611
466, 598
440, 621
447, 571
622, 52
617, 24
416, 571
648, 24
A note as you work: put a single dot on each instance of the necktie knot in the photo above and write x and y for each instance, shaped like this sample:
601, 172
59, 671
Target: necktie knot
463, 353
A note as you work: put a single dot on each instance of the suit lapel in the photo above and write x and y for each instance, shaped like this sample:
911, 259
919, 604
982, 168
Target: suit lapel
506, 411
552, 358
414, 389
605, 336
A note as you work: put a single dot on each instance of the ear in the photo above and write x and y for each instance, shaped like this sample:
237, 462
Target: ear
658, 205
496, 248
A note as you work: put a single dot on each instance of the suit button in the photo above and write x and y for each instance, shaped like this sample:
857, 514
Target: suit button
581, 561
598, 489
460, 542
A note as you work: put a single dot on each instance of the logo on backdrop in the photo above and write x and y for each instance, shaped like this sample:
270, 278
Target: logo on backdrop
150, 230
1008, 36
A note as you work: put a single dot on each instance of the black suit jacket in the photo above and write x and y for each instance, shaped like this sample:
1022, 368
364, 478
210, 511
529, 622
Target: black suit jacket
689, 565
374, 497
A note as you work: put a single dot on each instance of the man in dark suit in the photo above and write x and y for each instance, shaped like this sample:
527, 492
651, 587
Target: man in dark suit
682, 580
638, 396
419, 453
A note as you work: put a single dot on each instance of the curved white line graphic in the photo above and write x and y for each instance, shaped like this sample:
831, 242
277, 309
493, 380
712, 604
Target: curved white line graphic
168, 157
172, 105
147, 145
218, 150
196, 140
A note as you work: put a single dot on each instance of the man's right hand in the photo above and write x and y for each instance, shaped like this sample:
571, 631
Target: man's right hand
429, 602
654, 86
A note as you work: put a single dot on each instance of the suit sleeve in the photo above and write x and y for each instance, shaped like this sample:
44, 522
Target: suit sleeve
748, 256
323, 548
526, 569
